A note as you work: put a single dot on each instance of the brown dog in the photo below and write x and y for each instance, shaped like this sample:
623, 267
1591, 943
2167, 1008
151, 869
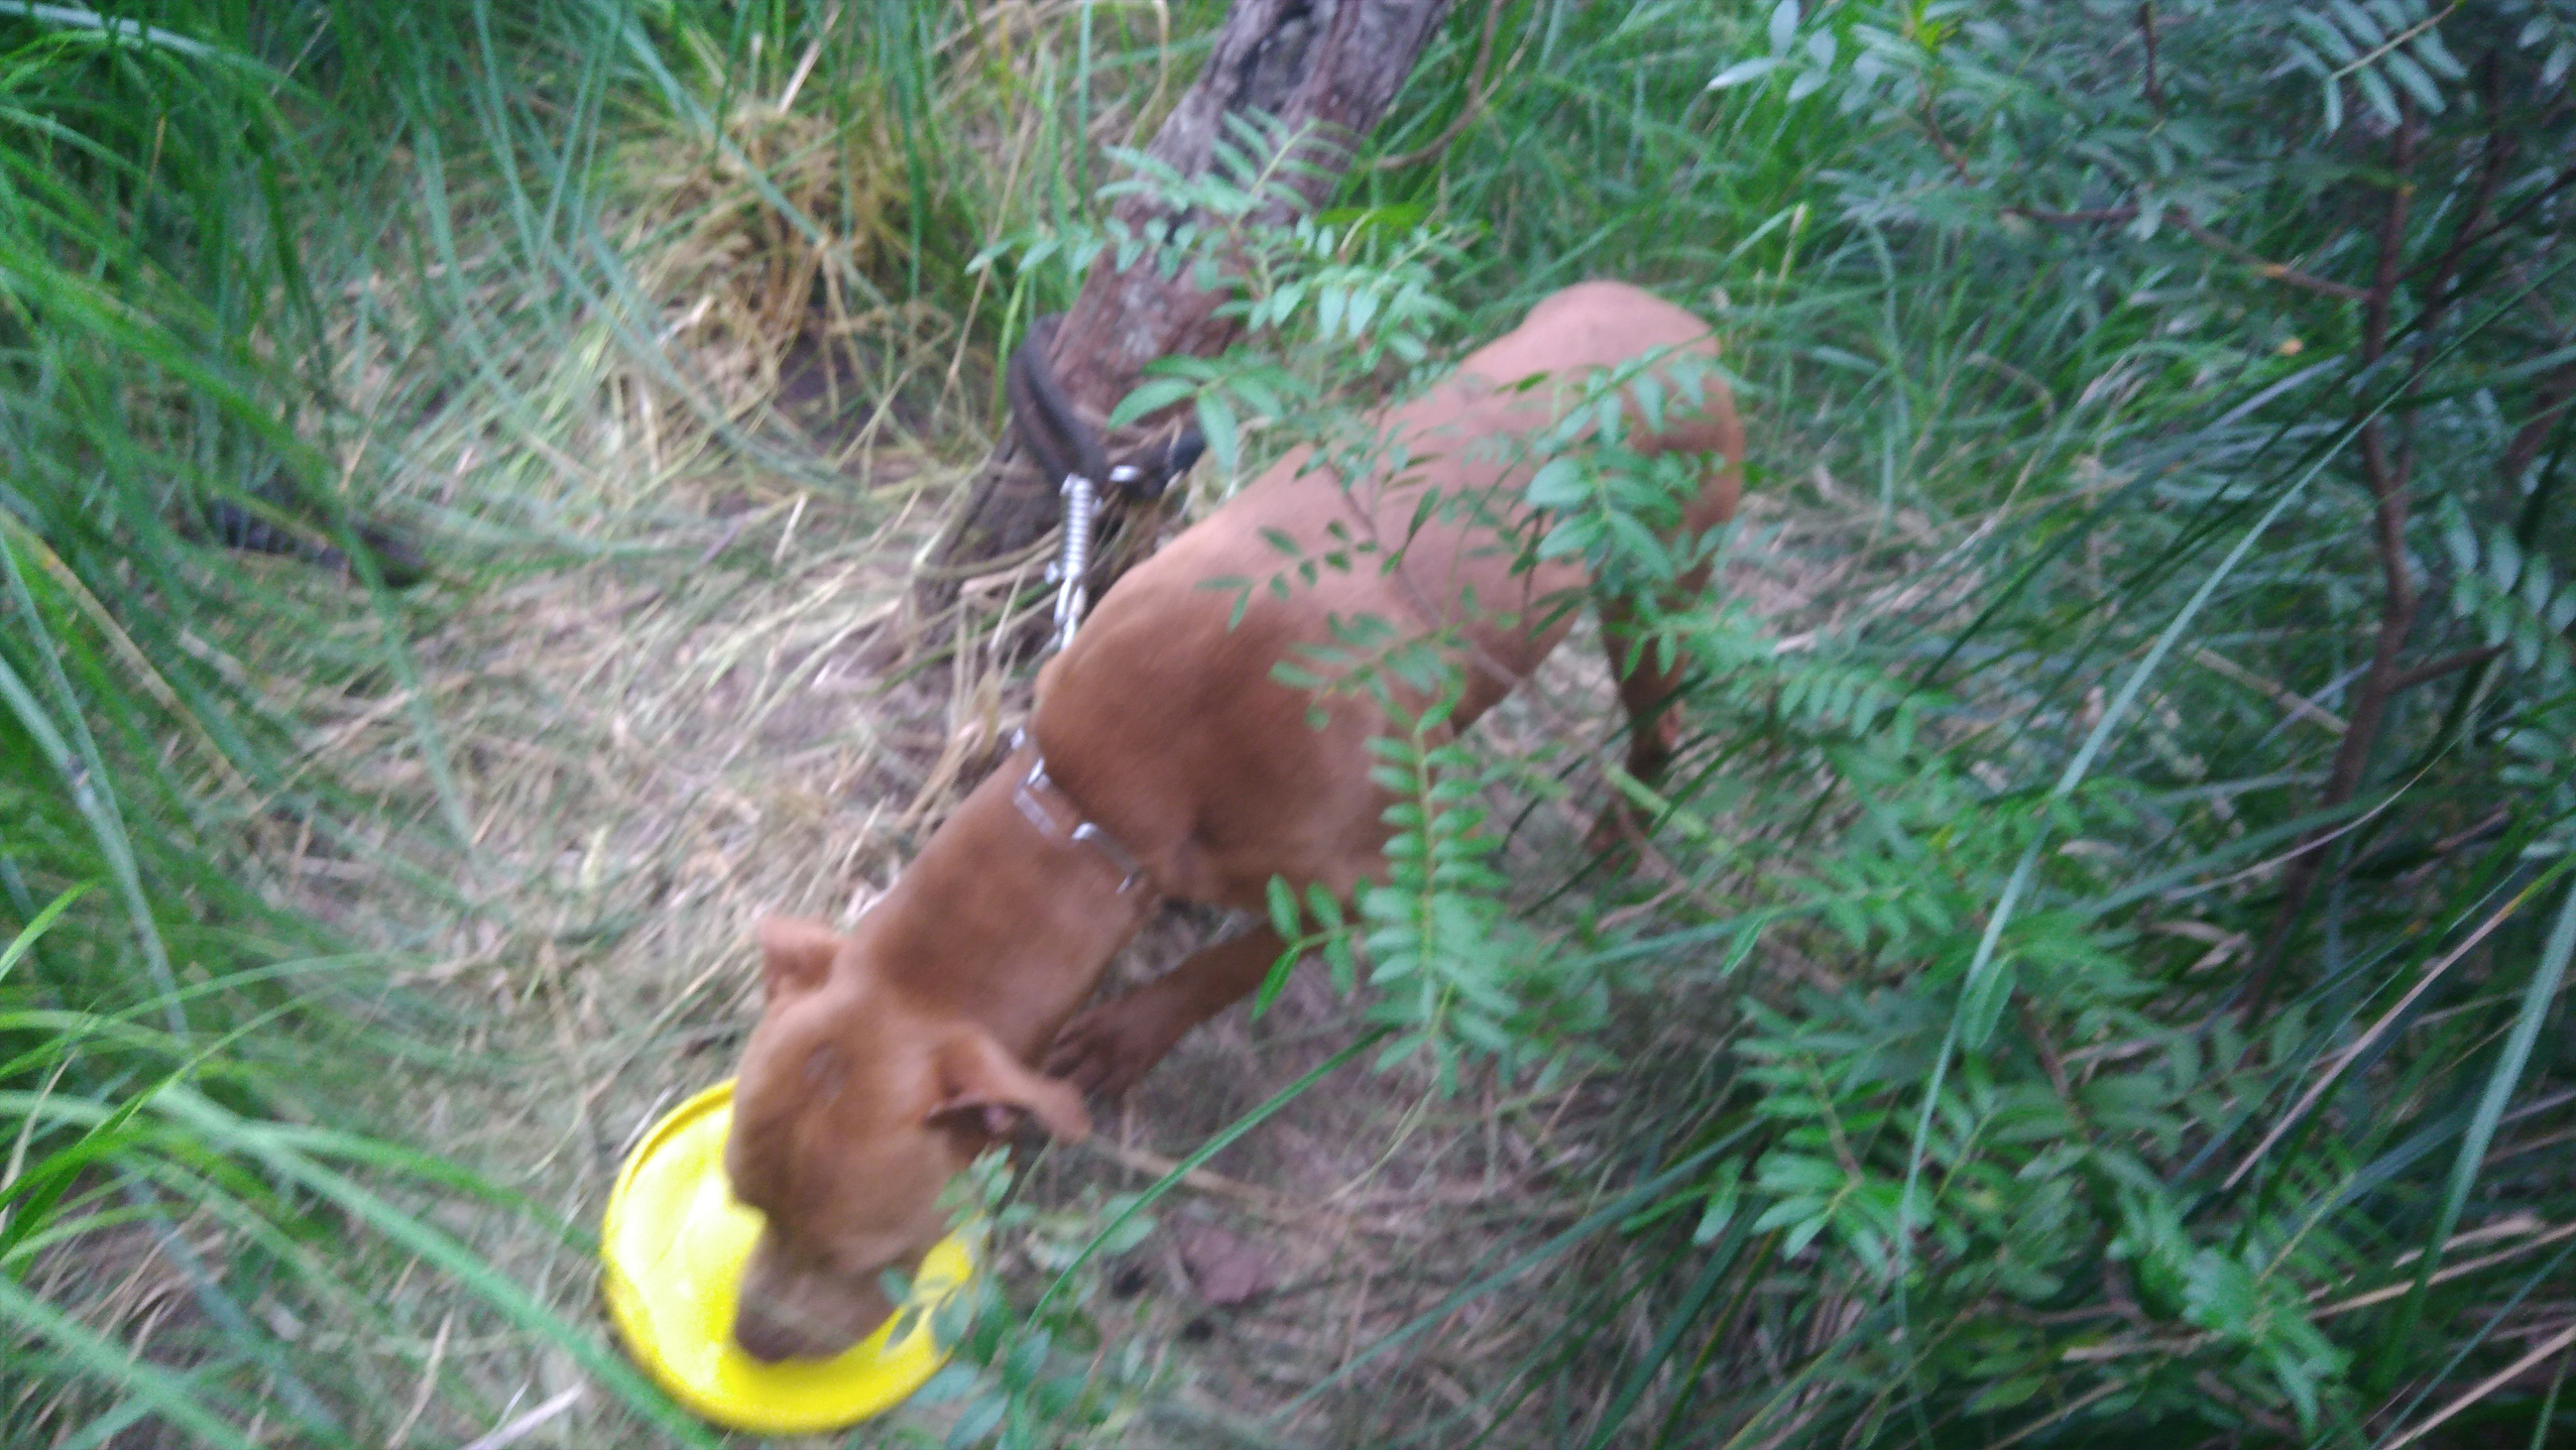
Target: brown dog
1163, 762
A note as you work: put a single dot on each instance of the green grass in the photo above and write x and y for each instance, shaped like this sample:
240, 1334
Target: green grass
306, 265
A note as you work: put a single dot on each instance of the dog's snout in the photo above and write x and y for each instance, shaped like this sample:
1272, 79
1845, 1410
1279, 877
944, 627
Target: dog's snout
764, 1336
804, 1323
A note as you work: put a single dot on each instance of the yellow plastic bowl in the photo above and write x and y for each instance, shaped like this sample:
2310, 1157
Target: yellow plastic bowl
675, 1241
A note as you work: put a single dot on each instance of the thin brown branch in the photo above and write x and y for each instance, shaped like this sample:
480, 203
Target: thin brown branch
2292, 277
2556, 392
2153, 90
2115, 1284
2523, 208
2487, 1386
2282, 1125
2049, 1061
2438, 297
2419, 674
2543, 1236
2288, 699
2182, 221
1941, 138
2389, 46
529, 1423
2281, 272
2074, 218
2382, 299
2386, 472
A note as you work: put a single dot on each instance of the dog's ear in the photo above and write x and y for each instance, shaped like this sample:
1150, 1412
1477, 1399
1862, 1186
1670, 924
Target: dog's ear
795, 954
982, 1086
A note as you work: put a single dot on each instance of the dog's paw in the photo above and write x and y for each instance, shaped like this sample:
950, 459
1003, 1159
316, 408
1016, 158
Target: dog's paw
1106, 1049
1616, 833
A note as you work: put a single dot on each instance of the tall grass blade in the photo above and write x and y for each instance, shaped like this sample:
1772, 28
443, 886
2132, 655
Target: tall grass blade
2539, 995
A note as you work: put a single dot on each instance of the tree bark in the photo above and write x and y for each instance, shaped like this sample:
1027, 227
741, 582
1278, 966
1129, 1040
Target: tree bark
1328, 69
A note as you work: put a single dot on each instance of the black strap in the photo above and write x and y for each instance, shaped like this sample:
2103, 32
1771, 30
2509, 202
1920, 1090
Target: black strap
1049, 429
1063, 444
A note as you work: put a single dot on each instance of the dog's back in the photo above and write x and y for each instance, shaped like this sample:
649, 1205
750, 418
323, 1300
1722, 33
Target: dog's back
1164, 716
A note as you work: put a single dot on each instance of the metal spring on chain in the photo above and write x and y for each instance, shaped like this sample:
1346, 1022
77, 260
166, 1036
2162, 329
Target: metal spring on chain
1082, 504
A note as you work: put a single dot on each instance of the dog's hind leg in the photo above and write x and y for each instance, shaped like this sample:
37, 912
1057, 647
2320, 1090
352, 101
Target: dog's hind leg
1648, 694
1648, 690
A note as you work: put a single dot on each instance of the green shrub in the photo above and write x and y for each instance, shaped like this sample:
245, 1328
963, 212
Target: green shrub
2214, 352
2171, 831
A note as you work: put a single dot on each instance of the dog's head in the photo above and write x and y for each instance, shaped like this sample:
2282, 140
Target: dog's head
853, 1108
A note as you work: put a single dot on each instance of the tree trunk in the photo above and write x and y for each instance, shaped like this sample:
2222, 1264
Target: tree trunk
1328, 69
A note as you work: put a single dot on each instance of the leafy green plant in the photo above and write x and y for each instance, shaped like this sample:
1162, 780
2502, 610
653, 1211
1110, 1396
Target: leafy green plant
2031, 1086
1054, 1374
1033, 1376
2141, 830
1321, 299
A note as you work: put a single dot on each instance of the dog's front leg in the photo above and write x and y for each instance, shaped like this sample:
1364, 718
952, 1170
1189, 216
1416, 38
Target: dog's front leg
1106, 1049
